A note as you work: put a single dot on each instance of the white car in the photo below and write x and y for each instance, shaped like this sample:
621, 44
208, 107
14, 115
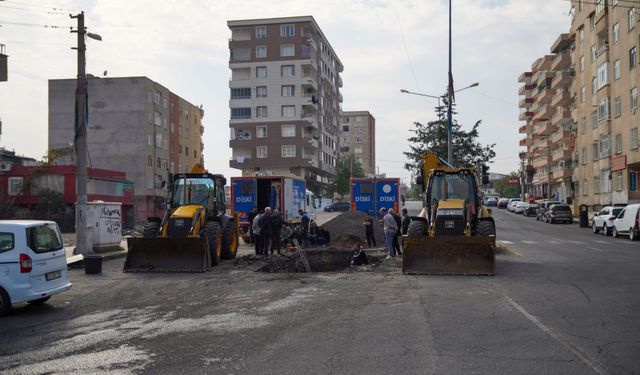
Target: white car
603, 221
627, 222
512, 205
520, 207
33, 262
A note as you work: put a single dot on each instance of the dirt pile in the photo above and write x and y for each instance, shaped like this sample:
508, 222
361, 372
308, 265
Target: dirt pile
348, 228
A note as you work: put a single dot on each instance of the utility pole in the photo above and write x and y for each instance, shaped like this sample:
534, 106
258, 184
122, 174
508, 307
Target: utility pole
80, 142
523, 176
450, 92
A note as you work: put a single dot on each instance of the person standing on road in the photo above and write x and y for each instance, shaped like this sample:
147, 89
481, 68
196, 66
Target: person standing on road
368, 231
265, 231
396, 238
304, 220
255, 229
406, 220
276, 231
390, 229
251, 216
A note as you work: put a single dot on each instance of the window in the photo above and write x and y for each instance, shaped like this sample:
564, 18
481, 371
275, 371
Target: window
288, 131
261, 91
6, 242
582, 63
593, 53
603, 110
357, 150
633, 58
592, 23
288, 111
594, 119
158, 163
358, 140
596, 185
615, 2
186, 150
287, 50
15, 185
261, 132
288, 90
634, 99
345, 128
261, 51
603, 74
287, 71
616, 70
583, 94
261, 152
634, 138
618, 145
594, 151
288, 151
631, 18
261, 72
583, 155
240, 113
585, 187
149, 161
594, 86
581, 34
261, 32
616, 32
261, 112
241, 93
617, 107
583, 125
287, 30
605, 145
618, 180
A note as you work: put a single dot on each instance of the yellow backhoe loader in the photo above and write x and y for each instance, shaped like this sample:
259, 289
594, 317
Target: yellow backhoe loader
195, 232
454, 234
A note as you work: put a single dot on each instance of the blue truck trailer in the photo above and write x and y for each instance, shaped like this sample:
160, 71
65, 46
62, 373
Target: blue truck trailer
371, 194
287, 194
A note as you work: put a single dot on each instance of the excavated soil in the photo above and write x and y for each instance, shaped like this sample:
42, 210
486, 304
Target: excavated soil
347, 229
320, 260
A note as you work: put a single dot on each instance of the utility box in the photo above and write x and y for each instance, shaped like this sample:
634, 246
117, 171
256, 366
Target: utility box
3, 64
105, 219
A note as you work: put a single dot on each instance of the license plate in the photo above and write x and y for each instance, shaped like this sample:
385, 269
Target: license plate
53, 275
449, 224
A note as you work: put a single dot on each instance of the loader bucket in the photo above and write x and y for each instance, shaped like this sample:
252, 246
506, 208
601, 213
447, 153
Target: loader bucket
167, 255
449, 255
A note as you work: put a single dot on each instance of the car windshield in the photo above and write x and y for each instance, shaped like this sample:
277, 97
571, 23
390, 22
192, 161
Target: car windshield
192, 191
560, 208
616, 211
452, 186
44, 238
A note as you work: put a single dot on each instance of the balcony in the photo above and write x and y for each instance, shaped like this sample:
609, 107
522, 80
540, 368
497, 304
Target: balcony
339, 81
525, 102
310, 56
542, 114
559, 135
561, 173
522, 129
562, 42
525, 115
201, 130
525, 90
544, 94
560, 155
525, 77
562, 79
561, 117
562, 98
542, 63
545, 128
561, 61
523, 142
541, 161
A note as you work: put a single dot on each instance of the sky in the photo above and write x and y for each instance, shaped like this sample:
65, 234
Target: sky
385, 46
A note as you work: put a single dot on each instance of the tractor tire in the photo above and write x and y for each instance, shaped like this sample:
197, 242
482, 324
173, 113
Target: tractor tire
39, 301
485, 228
417, 228
212, 231
5, 302
151, 229
229, 241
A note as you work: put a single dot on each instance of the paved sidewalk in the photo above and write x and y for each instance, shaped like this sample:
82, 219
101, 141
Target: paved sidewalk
72, 258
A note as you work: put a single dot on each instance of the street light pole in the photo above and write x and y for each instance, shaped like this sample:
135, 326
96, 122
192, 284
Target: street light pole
450, 97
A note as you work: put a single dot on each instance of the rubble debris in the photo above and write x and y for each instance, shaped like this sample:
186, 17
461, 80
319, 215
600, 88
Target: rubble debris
349, 226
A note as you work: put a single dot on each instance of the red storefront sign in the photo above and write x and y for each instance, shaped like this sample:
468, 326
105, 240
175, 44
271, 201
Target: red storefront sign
618, 162
513, 181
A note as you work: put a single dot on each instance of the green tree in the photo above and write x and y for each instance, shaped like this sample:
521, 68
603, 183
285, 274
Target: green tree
50, 202
347, 166
504, 189
432, 136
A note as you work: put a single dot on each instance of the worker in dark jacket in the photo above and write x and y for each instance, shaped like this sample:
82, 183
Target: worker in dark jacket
396, 241
368, 231
276, 231
265, 231
406, 220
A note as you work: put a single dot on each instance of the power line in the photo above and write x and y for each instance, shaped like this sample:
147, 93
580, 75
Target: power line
636, 2
404, 43
31, 10
34, 25
41, 6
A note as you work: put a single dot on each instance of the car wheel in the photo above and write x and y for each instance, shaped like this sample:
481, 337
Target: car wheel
615, 233
551, 221
537, 218
605, 230
632, 235
595, 229
39, 301
5, 302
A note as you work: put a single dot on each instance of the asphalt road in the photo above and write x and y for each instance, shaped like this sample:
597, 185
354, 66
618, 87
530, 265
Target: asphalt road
564, 301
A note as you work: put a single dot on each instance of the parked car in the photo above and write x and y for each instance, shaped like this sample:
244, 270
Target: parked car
33, 262
530, 209
627, 222
503, 202
558, 212
603, 221
338, 206
492, 202
512, 205
543, 206
519, 208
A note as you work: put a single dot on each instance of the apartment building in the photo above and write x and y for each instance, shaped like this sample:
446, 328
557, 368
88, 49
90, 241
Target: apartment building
358, 137
136, 126
545, 107
606, 107
285, 98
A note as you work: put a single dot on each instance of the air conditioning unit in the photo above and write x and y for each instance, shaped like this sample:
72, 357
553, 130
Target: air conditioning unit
5, 166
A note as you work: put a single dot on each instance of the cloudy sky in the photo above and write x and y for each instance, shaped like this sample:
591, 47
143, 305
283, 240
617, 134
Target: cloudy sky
385, 45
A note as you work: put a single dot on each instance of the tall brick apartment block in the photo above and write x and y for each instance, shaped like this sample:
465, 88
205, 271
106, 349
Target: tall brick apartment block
136, 126
358, 137
284, 98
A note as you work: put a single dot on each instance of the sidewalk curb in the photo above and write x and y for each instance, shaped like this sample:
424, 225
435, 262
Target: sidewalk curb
78, 260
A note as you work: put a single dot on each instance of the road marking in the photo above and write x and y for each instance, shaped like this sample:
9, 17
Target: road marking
507, 242
529, 242
593, 248
577, 242
583, 356
555, 242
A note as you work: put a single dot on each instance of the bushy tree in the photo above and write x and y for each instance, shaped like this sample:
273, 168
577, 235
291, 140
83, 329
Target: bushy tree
432, 136
347, 166
504, 189
50, 202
